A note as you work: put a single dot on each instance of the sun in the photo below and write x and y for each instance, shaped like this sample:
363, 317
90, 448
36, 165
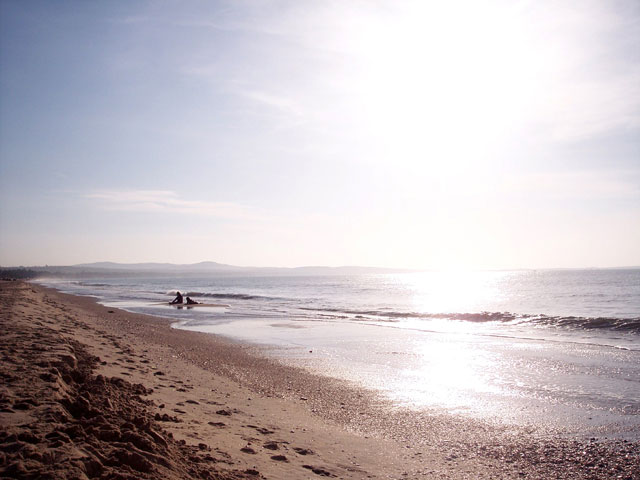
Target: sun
443, 83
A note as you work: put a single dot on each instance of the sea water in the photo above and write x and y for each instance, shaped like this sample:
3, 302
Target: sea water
552, 349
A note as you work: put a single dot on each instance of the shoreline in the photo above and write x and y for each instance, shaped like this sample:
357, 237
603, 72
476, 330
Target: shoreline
351, 432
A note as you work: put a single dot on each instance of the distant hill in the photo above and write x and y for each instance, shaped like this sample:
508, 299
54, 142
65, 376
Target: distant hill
166, 267
214, 267
113, 269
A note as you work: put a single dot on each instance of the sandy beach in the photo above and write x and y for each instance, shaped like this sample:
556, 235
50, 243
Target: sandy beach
95, 392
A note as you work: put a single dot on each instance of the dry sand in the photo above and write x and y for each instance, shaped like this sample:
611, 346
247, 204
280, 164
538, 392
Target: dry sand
94, 392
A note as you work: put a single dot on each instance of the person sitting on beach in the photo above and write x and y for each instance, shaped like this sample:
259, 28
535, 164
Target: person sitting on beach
191, 302
177, 300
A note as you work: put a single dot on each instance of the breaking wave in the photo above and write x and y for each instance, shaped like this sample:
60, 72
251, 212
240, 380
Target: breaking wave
631, 325
232, 296
585, 323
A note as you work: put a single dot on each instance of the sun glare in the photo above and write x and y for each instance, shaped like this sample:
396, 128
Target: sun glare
453, 291
443, 82
450, 374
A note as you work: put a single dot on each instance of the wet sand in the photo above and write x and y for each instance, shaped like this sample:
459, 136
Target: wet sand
95, 392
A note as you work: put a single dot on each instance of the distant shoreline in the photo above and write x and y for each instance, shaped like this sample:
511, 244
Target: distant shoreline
112, 269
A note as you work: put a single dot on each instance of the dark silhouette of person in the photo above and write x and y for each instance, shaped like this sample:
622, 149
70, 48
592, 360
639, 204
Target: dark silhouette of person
191, 302
177, 300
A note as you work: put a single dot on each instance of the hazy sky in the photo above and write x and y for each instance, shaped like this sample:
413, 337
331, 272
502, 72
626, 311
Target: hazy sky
390, 133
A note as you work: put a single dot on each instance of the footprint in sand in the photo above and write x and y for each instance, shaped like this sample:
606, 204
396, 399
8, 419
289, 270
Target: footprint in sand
319, 471
303, 451
167, 418
262, 430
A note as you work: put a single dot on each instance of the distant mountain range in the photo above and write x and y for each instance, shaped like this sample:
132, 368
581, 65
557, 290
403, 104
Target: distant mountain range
207, 266
214, 267
137, 269
112, 269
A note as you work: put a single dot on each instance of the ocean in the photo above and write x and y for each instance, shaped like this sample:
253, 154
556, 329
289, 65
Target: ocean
551, 350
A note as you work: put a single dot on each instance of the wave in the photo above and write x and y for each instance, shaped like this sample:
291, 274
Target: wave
232, 296
88, 284
616, 324
631, 325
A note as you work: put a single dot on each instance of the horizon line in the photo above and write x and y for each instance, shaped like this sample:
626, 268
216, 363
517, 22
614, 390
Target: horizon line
253, 267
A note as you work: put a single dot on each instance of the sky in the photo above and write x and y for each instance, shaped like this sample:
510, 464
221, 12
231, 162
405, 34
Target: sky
432, 135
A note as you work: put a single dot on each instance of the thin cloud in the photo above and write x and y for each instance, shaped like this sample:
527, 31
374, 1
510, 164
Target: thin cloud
578, 185
281, 103
167, 201
591, 108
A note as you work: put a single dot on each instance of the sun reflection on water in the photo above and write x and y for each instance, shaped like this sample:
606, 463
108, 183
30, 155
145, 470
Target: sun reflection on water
450, 374
453, 292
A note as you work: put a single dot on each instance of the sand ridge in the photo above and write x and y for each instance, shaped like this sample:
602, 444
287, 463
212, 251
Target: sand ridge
223, 410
